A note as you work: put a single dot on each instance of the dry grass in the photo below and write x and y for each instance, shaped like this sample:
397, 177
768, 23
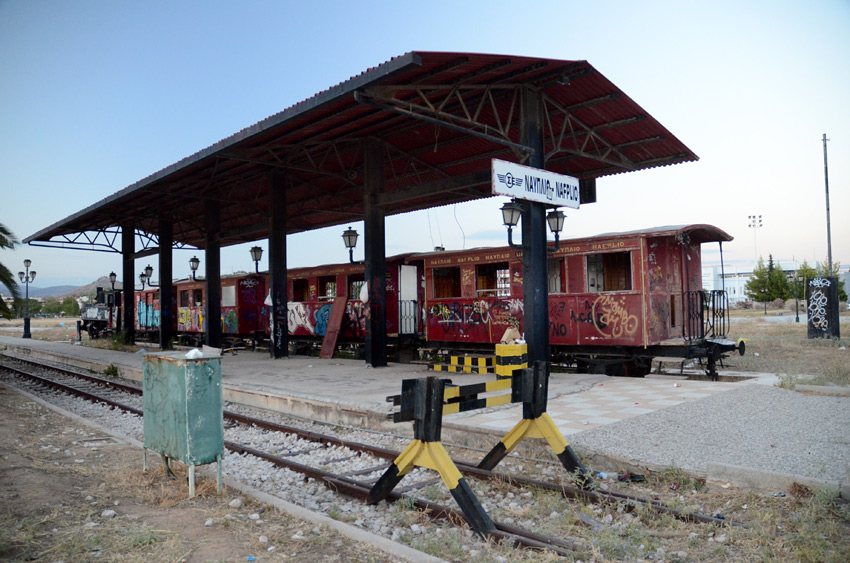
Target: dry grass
785, 349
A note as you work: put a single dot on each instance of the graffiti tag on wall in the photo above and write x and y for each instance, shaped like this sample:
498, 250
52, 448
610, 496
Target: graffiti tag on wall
611, 318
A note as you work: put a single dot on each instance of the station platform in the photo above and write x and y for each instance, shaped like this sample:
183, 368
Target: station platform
353, 393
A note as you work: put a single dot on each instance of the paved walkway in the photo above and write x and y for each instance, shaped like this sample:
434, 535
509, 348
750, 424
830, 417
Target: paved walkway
607, 402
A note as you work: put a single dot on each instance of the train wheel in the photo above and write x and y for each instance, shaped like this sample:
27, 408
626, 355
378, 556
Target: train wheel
93, 332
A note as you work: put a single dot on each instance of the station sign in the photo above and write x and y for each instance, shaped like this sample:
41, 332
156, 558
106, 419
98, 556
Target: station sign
534, 184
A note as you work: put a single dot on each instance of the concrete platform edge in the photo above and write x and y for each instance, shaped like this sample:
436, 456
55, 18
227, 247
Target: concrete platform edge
767, 481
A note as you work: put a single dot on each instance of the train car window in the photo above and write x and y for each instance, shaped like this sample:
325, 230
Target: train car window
299, 290
555, 267
446, 282
228, 296
198, 297
355, 284
672, 311
327, 288
609, 272
184, 298
493, 280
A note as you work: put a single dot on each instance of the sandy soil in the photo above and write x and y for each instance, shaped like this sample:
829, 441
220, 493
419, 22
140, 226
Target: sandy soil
57, 477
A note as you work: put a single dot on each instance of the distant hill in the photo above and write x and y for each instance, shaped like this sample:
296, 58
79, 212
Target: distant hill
89, 289
62, 291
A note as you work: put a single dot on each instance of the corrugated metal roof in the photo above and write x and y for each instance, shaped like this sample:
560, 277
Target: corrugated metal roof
319, 144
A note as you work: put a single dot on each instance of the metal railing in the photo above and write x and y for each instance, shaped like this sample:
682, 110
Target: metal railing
408, 317
706, 314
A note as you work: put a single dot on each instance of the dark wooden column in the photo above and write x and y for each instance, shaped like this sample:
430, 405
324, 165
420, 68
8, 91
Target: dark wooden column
128, 278
166, 301
212, 255
278, 312
535, 283
375, 252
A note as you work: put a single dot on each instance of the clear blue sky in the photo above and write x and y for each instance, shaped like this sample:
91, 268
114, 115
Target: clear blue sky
95, 96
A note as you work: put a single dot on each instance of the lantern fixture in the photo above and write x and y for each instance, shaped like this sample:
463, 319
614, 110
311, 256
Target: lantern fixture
256, 254
511, 213
349, 238
556, 218
112, 277
193, 265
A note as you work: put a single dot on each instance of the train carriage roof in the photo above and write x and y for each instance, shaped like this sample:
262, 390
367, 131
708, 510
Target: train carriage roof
697, 234
439, 119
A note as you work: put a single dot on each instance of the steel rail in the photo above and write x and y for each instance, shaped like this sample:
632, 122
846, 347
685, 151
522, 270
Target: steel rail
339, 483
598, 497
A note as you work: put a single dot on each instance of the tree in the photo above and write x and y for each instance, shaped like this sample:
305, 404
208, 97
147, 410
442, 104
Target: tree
7, 240
758, 282
51, 307
777, 283
70, 307
19, 307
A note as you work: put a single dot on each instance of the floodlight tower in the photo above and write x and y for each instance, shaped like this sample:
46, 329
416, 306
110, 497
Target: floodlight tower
755, 224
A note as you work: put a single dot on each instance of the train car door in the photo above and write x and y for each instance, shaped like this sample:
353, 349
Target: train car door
407, 294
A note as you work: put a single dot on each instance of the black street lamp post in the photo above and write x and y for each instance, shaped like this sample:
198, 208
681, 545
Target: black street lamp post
798, 280
256, 255
193, 265
27, 278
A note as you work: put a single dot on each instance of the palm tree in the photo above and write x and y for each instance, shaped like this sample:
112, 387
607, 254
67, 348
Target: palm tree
7, 240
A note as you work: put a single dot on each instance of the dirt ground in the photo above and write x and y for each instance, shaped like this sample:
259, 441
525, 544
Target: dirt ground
58, 479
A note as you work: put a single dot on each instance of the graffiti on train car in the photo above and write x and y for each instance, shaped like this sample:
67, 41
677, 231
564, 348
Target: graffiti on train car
354, 320
190, 319
611, 317
321, 317
229, 321
148, 315
299, 318
462, 319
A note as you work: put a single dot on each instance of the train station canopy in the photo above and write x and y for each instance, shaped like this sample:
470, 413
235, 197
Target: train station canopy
439, 119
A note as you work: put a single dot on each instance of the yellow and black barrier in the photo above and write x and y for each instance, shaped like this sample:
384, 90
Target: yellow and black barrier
510, 358
422, 402
425, 401
468, 363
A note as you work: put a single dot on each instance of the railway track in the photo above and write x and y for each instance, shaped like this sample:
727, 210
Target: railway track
350, 467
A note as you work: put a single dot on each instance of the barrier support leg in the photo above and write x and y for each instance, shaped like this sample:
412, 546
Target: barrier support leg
427, 451
536, 423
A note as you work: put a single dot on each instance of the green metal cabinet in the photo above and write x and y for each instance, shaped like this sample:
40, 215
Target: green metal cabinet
183, 410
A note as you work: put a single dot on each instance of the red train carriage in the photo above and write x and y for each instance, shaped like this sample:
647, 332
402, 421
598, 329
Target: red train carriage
147, 319
615, 300
315, 291
243, 312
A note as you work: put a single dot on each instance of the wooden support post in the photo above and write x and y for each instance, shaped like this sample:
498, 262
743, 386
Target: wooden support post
167, 306
213, 270
128, 274
375, 254
279, 347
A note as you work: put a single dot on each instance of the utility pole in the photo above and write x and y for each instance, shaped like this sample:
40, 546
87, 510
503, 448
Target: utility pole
828, 231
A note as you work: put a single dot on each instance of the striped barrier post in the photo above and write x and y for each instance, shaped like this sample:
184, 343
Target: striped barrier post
510, 358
